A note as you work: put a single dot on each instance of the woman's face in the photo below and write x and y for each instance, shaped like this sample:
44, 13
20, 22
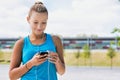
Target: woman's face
38, 22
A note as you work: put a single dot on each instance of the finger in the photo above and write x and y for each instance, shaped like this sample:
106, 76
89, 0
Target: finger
42, 59
43, 56
53, 59
53, 54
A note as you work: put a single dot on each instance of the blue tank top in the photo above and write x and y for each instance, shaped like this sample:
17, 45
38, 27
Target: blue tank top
44, 71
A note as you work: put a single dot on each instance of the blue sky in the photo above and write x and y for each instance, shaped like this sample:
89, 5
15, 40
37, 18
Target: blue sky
68, 18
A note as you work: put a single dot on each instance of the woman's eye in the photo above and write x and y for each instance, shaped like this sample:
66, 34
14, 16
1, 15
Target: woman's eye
35, 22
44, 23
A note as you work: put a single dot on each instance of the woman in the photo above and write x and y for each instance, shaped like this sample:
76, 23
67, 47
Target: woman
35, 66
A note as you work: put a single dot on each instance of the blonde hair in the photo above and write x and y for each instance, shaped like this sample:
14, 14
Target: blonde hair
38, 7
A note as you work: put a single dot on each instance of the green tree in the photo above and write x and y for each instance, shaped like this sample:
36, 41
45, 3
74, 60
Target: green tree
86, 52
77, 56
111, 55
117, 30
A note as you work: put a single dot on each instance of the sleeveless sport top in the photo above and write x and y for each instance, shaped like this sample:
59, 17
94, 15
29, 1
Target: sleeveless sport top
44, 71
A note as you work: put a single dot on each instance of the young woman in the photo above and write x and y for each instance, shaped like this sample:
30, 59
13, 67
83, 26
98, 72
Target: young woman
35, 66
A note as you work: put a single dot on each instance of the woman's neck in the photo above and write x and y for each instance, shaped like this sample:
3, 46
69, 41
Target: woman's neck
37, 37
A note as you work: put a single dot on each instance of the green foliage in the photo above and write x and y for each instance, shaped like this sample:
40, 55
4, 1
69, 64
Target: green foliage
86, 51
112, 43
111, 52
116, 30
119, 43
118, 38
77, 54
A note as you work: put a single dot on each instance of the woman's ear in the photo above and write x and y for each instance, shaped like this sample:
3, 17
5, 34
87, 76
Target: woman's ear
28, 18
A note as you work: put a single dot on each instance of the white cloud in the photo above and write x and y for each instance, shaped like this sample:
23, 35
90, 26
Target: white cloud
68, 19
87, 16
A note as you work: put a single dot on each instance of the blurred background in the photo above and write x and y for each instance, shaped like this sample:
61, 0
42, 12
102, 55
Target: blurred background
89, 30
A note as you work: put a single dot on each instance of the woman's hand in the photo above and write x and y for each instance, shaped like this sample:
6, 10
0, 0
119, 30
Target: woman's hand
54, 58
38, 59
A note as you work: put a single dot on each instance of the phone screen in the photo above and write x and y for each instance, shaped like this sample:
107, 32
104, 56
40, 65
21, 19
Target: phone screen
43, 53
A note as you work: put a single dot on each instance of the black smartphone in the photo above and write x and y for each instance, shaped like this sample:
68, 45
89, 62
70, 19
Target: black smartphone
43, 53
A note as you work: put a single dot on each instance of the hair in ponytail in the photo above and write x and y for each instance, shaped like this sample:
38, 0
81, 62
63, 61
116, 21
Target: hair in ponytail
38, 7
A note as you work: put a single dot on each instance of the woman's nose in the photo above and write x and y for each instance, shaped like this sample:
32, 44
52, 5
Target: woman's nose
39, 26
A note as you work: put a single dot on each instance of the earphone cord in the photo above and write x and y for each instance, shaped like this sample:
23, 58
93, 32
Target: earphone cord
48, 67
48, 70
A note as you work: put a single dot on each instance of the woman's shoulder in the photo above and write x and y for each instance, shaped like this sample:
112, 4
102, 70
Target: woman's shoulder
18, 44
20, 41
56, 39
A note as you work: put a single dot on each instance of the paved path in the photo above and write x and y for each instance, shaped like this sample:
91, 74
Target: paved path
94, 73
78, 73
4, 72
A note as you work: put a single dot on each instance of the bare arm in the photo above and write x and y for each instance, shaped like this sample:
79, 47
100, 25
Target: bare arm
16, 71
60, 64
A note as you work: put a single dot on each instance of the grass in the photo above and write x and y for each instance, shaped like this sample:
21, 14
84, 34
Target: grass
5, 57
97, 59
